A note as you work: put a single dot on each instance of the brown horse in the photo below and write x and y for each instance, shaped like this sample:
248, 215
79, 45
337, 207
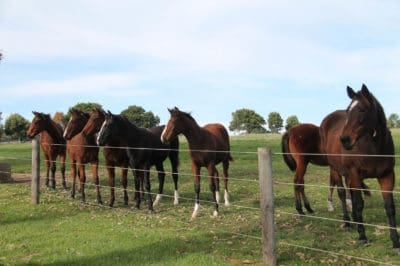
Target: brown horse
81, 150
113, 156
360, 146
301, 146
52, 143
209, 146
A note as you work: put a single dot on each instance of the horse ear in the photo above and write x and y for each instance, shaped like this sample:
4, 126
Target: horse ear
350, 92
365, 92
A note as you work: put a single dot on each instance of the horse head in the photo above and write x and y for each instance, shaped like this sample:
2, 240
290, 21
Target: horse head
111, 130
39, 123
175, 125
76, 123
94, 123
365, 117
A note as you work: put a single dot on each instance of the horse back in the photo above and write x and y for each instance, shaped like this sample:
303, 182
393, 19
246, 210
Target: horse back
220, 139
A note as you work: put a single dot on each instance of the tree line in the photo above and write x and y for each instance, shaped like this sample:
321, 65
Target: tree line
243, 121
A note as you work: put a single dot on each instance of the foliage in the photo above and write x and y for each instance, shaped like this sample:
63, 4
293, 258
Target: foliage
291, 121
247, 120
16, 126
139, 117
59, 117
393, 121
275, 122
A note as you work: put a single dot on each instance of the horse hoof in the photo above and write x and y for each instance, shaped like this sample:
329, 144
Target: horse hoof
150, 212
215, 214
363, 242
346, 228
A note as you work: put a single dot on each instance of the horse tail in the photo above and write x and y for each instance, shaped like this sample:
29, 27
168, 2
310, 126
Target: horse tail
287, 157
366, 190
230, 158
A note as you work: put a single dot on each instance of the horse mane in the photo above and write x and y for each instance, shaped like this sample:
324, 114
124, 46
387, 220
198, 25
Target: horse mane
177, 112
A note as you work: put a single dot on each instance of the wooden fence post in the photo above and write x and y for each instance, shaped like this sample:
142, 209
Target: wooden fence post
267, 205
35, 181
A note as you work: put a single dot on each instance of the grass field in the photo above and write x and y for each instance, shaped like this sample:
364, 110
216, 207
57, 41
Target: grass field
61, 231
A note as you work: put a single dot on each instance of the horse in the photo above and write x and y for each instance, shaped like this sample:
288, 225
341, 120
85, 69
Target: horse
300, 146
52, 144
144, 149
208, 146
82, 150
362, 129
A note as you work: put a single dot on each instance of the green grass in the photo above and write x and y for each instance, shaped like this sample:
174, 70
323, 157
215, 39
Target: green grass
61, 231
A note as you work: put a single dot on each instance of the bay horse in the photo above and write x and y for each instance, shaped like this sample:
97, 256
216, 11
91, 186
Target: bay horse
208, 146
81, 150
52, 144
113, 156
361, 129
144, 149
300, 146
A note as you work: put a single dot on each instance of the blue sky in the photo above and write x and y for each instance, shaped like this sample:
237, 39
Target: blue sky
207, 57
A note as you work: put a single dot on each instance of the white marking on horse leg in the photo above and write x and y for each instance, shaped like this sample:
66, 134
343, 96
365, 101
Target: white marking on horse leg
215, 213
226, 197
157, 200
349, 204
330, 206
217, 197
176, 197
196, 210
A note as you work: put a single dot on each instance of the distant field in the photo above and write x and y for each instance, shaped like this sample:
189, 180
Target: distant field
61, 231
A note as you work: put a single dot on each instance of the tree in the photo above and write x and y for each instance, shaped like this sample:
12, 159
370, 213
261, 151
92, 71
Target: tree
139, 117
393, 121
247, 120
275, 122
16, 126
291, 121
59, 117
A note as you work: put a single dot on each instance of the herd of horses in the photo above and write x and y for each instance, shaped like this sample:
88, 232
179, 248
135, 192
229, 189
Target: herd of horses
339, 143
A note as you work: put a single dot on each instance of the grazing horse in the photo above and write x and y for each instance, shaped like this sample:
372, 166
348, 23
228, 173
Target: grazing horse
144, 149
81, 150
301, 146
52, 143
208, 145
362, 130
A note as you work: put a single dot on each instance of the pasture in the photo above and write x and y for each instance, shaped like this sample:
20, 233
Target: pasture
62, 231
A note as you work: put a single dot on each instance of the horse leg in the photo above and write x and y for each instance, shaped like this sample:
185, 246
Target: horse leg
148, 188
173, 156
358, 206
124, 182
330, 198
47, 160
111, 183
196, 173
387, 184
299, 188
212, 176
136, 178
336, 179
73, 173
62, 159
225, 168
161, 179
82, 180
96, 182
216, 183
53, 172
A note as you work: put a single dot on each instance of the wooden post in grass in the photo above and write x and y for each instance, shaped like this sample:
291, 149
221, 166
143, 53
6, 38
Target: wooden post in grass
267, 206
35, 181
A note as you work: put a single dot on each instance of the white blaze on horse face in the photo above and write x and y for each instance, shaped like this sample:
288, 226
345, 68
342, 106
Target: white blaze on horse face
66, 128
353, 104
100, 132
162, 134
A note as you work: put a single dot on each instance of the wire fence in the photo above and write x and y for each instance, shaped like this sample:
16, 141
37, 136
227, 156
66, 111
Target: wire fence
240, 206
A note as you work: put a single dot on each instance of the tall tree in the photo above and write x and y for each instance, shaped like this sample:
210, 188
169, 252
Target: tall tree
247, 120
393, 121
275, 122
16, 126
140, 117
291, 121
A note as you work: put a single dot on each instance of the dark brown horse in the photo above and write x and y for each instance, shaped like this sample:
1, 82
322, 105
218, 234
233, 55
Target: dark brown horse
301, 146
208, 145
52, 143
113, 156
364, 147
144, 149
81, 150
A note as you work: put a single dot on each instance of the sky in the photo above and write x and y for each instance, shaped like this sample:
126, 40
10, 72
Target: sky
206, 57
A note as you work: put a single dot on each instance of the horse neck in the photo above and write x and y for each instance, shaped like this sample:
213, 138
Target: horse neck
194, 134
53, 132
